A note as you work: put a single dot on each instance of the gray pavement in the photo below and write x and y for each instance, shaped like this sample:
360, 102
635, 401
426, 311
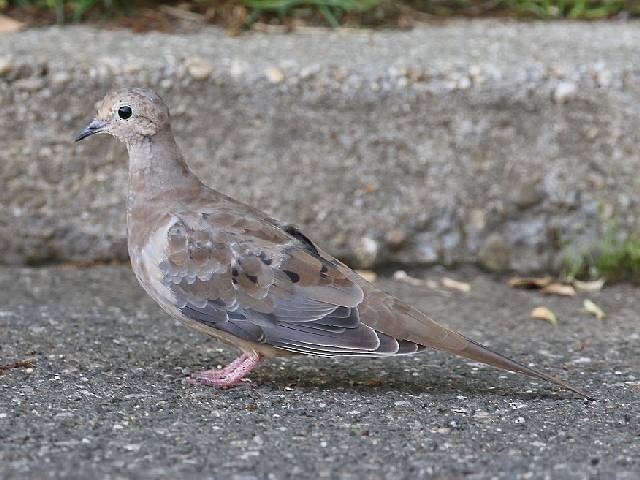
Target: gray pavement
106, 400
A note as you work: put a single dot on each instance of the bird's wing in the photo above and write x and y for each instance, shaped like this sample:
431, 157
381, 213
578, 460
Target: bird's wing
244, 275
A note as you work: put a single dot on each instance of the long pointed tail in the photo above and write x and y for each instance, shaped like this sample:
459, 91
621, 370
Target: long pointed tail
480, 353
389, 315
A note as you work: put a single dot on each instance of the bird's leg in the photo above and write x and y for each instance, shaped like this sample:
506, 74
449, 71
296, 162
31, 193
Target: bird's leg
219, 372
230, 375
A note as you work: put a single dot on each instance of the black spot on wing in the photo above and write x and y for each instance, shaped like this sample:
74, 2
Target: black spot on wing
293, 276
298, 235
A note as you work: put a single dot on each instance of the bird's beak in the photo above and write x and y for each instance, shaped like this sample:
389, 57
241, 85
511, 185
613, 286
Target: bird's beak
96, 126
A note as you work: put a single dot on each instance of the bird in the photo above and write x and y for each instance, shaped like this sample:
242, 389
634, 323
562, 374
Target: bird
231, 272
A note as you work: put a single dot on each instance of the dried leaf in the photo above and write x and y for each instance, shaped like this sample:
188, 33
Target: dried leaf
274, 75
592, 286
594, 309
559, 289
529, 282
9, 25
28, 364
455, 284
543, 313
368, 275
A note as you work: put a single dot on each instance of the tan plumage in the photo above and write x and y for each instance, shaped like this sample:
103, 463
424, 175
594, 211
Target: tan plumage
230, 271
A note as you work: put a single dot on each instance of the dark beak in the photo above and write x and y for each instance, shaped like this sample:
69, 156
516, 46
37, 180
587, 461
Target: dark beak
95, 126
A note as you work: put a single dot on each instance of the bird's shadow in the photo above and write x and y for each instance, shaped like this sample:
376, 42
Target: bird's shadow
382, 376
369, 381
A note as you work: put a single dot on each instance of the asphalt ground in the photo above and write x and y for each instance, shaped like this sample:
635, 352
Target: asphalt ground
98, 392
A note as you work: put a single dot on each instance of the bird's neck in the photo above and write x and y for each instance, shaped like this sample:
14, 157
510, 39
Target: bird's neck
157, 172
156, 166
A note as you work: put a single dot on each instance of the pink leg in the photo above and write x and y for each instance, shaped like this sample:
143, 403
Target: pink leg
219, 372
230, 375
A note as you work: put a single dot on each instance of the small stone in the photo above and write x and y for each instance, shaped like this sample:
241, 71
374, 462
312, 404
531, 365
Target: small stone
495, 254
581, 360
604, 78
527, 195
395, 238
60, 78
30, 84
366, 252
558, 71
477, 217
309, 71
464, 83
564, 92
6, 65
130, 68
237, 68
199, 68
274, 75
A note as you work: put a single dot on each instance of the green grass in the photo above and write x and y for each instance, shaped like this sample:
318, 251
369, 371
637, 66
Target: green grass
331, 10
616, 258
573, 9
334, 11
543, 9
60, 7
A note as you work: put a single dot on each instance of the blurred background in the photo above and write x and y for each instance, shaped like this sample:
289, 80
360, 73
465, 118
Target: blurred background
498, 133
144, 15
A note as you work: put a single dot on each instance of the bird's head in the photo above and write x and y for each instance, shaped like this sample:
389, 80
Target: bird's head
129, 115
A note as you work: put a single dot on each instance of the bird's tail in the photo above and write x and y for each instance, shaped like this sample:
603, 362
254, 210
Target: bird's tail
402, 321
475, 351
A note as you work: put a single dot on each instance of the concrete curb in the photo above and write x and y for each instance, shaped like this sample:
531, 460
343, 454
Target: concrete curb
487, 142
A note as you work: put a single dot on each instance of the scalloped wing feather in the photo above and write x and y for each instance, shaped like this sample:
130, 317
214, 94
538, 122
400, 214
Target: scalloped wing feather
253, 280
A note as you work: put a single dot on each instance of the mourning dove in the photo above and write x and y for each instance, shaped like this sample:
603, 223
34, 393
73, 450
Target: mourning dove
229, 271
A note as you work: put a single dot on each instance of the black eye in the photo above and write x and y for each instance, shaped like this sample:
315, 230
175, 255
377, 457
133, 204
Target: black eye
124, 112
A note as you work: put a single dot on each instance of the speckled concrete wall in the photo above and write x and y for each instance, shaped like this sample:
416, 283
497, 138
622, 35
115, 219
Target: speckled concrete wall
480, 142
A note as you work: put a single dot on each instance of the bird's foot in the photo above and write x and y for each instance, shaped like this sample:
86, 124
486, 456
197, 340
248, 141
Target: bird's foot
229, 376
217, 372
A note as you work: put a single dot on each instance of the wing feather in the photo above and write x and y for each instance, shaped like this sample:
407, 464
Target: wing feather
246, 277
249, 278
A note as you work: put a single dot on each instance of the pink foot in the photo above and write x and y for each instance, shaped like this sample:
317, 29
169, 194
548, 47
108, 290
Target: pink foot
230, 375
218, 372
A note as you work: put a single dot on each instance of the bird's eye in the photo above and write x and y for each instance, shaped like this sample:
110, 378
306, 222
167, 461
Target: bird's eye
124, 112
